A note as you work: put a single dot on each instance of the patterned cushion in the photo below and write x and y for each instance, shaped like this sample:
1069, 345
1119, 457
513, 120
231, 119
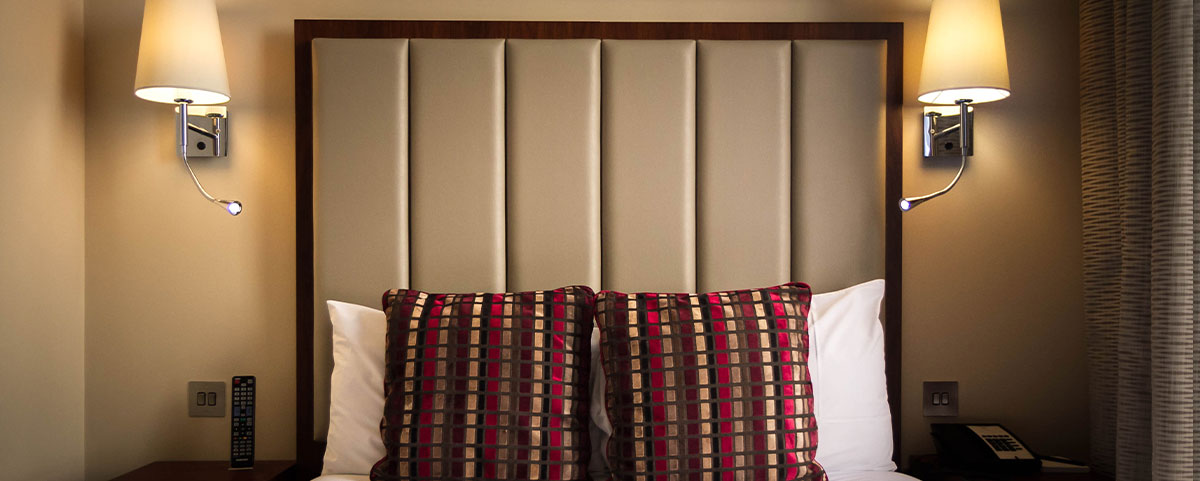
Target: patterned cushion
709, 386
487, 386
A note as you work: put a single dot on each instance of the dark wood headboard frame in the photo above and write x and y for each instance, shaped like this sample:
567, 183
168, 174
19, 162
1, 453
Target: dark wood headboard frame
309, 453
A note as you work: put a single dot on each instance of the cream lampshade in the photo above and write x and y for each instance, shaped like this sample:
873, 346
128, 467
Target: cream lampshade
964, 53
180, 56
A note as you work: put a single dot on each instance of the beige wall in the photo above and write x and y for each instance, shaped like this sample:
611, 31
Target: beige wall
178, 290
993, 283
41, 240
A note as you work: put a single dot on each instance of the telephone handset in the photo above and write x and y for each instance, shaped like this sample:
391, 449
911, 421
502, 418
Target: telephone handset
983, 447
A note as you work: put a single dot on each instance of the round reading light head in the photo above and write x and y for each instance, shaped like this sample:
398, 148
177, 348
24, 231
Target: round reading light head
234, 207
909, 203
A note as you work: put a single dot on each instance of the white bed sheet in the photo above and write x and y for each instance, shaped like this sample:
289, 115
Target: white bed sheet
343, 477
870, 476
844, 476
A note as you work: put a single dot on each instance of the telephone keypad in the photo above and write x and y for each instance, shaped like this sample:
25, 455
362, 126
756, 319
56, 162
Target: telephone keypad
1002, 442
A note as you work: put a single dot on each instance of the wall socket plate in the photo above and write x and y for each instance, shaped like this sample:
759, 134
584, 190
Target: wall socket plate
206, 399
940, 398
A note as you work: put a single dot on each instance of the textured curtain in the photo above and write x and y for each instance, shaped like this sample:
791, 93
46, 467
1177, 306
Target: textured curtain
1140, 235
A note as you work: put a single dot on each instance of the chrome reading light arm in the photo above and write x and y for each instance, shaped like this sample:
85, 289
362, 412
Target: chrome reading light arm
908, 203
232, 206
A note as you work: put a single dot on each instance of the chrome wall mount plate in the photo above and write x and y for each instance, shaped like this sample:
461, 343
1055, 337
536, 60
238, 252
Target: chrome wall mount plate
941, 126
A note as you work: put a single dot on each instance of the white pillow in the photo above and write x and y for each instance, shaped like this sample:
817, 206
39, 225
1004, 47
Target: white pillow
847, 366
600, 427
354, 444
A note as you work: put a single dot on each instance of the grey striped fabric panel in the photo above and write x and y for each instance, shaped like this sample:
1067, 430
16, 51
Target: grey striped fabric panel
1101, 229
1140, 230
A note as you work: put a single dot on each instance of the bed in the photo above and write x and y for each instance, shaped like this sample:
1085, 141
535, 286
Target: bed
858, 476
675, 157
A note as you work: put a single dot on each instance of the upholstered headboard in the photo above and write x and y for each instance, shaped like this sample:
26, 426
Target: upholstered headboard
501, 156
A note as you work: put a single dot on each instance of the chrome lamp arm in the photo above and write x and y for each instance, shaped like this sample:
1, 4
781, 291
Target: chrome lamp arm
232, 206
908, 203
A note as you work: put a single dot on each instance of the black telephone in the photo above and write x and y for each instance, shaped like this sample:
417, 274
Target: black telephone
987, 448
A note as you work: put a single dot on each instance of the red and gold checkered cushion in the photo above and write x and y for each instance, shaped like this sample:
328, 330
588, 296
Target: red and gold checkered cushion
486, 386
709, 386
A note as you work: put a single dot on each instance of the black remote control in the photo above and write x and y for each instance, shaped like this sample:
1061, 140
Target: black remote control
241, 446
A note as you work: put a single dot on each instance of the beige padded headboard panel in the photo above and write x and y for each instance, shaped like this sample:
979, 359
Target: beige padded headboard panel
671, 165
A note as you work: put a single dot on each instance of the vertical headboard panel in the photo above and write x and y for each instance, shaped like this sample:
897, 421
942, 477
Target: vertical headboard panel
494, 156
457, 171
743, 164
354, 128
649, 168
553, 163
837, 104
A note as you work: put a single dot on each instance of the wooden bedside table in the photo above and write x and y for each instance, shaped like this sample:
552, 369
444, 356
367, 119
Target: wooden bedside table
926, 468
209, 471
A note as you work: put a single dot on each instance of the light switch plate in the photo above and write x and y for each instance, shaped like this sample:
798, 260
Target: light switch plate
940, 398
206, 399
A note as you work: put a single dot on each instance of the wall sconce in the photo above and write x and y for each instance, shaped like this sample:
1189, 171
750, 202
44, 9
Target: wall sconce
181, 61
965, 63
